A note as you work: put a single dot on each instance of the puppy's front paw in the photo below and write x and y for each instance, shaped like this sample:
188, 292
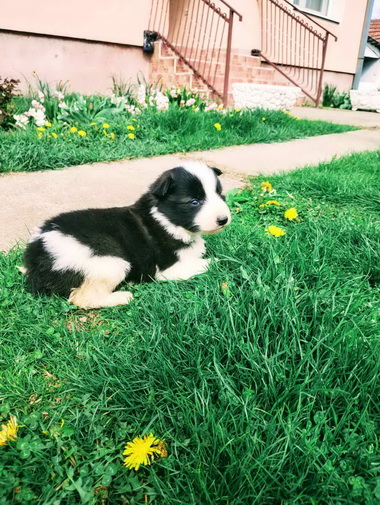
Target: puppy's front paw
202, 266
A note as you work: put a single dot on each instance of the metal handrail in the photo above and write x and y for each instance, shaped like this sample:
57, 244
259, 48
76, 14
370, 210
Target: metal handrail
232, 9
293, 45
198, 36
310, 18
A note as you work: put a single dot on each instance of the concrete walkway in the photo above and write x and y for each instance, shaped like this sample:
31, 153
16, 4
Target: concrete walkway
27, 199
360, 118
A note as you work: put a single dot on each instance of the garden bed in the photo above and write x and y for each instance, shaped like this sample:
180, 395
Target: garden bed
261, 375
63, 131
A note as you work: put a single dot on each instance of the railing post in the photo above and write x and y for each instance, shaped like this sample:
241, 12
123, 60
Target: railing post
228, 58
320, 83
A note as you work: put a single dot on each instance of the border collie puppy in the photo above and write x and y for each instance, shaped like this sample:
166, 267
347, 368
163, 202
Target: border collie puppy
86, 254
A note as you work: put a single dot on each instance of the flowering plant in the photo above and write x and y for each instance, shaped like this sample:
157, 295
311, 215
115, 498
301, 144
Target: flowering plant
183, 97
152, 97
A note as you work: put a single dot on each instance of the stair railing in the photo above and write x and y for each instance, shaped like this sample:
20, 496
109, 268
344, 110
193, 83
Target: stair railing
294, 44
199, 32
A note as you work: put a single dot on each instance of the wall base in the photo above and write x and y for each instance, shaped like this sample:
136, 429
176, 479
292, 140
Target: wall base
264, 96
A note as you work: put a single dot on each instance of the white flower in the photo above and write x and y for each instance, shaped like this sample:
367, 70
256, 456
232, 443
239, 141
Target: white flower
196, 109
21, 120
37, 105
41, 96
59, 95
63, 105
212, 106
190, 102
38, 115
141, 94
173, 93
116, 100
162, 101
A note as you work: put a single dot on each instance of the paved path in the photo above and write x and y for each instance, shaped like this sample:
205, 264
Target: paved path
360, 118
27, 199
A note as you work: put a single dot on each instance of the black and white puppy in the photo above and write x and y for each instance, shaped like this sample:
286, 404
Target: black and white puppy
86, 254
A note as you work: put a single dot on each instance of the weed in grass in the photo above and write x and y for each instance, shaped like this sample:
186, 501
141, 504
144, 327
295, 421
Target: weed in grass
262, 375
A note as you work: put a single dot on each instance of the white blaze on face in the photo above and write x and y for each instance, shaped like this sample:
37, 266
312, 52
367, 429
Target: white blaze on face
214, 208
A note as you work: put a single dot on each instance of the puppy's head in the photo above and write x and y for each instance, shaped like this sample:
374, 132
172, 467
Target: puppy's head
190, 196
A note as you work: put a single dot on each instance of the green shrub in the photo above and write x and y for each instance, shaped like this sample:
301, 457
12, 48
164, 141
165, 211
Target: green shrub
8, 90
333, 98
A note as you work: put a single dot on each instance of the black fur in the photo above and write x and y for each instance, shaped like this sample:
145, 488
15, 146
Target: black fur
130, 233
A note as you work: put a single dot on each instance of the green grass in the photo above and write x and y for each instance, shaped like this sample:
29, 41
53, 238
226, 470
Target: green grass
267, 391
172, 131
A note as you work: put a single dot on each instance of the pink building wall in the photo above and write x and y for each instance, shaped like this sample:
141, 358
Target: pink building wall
87, 67
111, 36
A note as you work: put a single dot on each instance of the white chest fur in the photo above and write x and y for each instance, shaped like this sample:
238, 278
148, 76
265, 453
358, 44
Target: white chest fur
190, 262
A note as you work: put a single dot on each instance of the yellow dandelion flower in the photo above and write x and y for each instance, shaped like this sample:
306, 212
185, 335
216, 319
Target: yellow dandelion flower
133, 119
291, 214
54, 135
266, 186
106, 125
39, 135
8, 431
263, 119
131, 135
218, 126
112, 135
93, 124
130, 127
141, 451
270, 202
237, 110
48, 124
41, 129
276, 231
82, 133
73, 129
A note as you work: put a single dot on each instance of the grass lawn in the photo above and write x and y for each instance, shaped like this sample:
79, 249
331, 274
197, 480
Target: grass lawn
262, 375
155, 132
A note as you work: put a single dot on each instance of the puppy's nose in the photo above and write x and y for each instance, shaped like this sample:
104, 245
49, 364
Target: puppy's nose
222, 220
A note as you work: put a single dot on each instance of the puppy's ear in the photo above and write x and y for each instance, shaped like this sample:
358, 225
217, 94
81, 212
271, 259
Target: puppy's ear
162, 185
216, 171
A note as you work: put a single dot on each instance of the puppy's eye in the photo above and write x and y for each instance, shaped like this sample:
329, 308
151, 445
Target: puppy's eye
194, 203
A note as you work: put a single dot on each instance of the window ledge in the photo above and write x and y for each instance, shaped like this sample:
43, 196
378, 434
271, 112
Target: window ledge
317, 15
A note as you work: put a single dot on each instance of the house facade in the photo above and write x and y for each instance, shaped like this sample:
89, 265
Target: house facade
197, 43
370, 77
